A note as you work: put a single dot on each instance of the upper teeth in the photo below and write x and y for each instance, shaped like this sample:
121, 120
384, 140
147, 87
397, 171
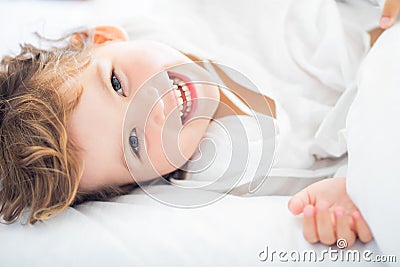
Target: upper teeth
183, 97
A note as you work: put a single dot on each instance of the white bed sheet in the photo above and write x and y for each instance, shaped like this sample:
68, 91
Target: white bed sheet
135, 230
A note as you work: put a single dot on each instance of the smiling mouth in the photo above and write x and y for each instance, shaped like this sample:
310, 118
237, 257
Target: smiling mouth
183, 92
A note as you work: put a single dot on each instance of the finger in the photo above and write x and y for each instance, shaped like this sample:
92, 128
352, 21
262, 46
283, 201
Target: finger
309, 226
343, 226
298, 202
325, 228
389, 13
362, 228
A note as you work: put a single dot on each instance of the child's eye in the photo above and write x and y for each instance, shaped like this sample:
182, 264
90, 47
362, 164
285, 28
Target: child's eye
134, 142
116, 84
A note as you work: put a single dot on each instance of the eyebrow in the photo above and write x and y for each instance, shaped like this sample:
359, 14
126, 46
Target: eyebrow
122, 156
100, 73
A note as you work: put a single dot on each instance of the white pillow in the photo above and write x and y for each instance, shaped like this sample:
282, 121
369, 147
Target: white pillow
373, 178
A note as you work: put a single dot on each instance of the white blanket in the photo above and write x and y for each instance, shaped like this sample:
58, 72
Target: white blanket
373, 172
301, 53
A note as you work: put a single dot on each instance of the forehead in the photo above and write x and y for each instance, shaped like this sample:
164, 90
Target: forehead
112, 48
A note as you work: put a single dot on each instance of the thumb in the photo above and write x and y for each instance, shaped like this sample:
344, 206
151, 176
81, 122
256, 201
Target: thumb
389, 13
299, 201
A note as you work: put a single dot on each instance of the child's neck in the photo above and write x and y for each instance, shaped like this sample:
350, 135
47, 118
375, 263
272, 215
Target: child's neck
255, 101
226, 107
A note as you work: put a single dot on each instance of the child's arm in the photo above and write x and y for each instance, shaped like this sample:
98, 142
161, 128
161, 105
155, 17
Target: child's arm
389, 14
329, 214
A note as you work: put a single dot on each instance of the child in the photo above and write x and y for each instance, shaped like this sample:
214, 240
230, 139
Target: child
52, 152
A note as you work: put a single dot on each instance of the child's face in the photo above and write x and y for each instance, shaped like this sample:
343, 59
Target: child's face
98, 120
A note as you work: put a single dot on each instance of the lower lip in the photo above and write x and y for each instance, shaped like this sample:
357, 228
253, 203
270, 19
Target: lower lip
193, 93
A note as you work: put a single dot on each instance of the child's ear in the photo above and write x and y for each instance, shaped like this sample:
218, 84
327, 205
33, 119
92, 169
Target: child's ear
102, 34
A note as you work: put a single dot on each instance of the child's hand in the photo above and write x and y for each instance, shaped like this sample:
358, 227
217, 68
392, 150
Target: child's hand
329, 214
389, 13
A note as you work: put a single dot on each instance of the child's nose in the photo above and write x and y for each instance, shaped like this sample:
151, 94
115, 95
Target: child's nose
157, 109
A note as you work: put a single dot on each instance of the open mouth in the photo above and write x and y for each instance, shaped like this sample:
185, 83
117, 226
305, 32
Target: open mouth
185, 93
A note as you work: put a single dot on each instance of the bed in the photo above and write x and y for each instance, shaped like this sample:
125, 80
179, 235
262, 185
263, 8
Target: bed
134, 229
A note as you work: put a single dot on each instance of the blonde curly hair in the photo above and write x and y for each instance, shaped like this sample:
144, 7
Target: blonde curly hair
39, 162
